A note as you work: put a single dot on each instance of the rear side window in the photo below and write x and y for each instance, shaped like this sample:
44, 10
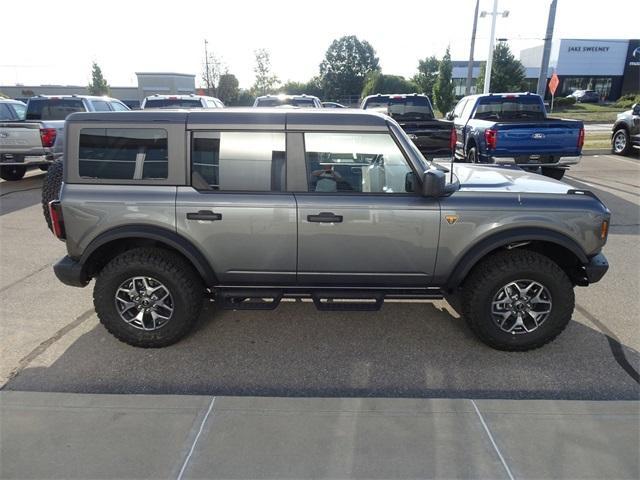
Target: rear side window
53, 109
238, 161
123, 154
6, 113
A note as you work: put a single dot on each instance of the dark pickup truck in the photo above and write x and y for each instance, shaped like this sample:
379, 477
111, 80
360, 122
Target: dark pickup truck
415, 115
515, 126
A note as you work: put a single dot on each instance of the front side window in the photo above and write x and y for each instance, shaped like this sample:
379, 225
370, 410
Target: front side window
123, 153
100, 106
238, 161
354, 162
119, 107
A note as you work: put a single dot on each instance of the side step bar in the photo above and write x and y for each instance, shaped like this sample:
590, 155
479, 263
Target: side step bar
325, 299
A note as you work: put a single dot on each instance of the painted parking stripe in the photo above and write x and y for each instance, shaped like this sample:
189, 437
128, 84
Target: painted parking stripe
493, 442
195, 440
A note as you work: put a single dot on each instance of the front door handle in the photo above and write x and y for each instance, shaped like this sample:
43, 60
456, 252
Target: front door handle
206, 215
325, 217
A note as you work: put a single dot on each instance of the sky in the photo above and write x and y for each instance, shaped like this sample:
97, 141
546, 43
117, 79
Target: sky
45, 45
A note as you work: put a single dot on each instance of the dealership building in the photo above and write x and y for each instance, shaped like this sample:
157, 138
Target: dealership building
610, 67
149, 83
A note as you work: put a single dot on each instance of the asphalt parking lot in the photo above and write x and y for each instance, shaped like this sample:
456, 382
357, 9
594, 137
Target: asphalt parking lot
52, 341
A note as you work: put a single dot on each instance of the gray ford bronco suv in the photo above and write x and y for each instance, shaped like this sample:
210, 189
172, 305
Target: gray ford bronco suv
248, 206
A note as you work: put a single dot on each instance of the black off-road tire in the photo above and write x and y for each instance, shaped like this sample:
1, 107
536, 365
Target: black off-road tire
616, 147
51, 188
555, 173
170, 269
487, 278
12, 173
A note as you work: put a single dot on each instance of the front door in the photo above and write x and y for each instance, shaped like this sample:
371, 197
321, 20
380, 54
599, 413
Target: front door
357, 224
236, 210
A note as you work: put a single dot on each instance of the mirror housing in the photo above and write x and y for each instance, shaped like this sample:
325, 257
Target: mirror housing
449, 116
433, 183
635, 109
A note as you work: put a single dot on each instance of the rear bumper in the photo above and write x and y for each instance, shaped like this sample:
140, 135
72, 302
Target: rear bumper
562, 161
596, 268
70, 272
23, 159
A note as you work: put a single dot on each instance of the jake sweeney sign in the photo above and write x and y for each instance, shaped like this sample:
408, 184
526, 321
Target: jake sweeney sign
587, 49
592, 57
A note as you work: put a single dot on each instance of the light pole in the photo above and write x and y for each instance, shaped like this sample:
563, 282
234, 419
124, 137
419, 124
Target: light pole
494, 14
467, 90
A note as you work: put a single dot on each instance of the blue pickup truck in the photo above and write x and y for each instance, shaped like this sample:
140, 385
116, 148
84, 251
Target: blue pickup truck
515, 126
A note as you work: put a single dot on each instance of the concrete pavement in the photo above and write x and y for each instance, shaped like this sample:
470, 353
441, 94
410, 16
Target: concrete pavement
54, 435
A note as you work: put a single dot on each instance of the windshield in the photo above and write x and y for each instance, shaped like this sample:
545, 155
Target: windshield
173, 103
403, 108
53, 108
509, 108
277, 102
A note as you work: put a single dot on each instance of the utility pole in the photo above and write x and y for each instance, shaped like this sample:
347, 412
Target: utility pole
492, 40
467, 90
206, 66
546, 53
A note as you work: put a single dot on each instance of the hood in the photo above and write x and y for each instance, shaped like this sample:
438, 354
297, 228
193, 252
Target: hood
505, 179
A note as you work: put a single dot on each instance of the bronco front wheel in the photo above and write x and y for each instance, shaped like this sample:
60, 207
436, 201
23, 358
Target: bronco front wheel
517, 300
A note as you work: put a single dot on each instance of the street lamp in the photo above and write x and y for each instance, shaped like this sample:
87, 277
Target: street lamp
494, 14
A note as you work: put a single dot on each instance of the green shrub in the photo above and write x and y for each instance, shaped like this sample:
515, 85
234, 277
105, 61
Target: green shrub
627, 101
564, 101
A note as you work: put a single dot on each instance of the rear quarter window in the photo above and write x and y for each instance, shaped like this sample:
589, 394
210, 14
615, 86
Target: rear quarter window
123, 154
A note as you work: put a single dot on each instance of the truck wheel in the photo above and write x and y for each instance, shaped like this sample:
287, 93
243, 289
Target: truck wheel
148, 297
472, 155
517, 300
12, 172
620, 144
555, 173
51, 188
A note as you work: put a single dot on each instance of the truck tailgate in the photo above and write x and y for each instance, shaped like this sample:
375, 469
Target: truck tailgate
556, 138
20, 138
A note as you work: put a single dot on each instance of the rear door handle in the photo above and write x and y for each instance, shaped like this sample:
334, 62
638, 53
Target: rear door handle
325, 217
206, 215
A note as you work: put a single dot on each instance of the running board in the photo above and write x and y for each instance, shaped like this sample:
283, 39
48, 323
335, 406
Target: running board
348, 301
239, 299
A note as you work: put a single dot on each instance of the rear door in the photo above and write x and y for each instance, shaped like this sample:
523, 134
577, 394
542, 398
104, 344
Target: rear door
236, 209
357, 224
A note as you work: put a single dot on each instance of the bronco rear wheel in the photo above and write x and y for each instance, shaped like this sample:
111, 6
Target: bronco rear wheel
51, 188
148, 297
517, 300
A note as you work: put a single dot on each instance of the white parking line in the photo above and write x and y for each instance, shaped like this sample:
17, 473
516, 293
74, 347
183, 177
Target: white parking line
580, 181
626, 160
493, 442
195, 440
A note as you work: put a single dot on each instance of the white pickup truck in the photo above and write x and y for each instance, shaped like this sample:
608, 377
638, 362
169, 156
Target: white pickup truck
38, 140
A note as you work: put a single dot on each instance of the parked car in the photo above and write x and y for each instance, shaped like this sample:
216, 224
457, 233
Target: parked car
250, 206
12, 110
180, 101
332, 105
496, 127
625, 134
415, 115
585, 96
303, 101
39, 139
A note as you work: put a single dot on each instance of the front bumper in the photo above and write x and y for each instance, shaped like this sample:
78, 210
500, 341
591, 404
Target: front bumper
70, 272
596, 268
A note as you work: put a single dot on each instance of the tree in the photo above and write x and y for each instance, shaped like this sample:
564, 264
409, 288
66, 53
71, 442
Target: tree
228, 88
376, 82
312, 87
345, 66
266, 82
443, 89
211, 71
98, 85
245, 98
427, 75
507, 73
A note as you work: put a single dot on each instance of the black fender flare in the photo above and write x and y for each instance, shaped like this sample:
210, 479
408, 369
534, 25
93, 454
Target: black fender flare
160, 235
479, 250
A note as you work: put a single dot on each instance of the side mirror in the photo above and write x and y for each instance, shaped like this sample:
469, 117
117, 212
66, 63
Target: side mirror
635, 109
434, 183
449, 116
411, 182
